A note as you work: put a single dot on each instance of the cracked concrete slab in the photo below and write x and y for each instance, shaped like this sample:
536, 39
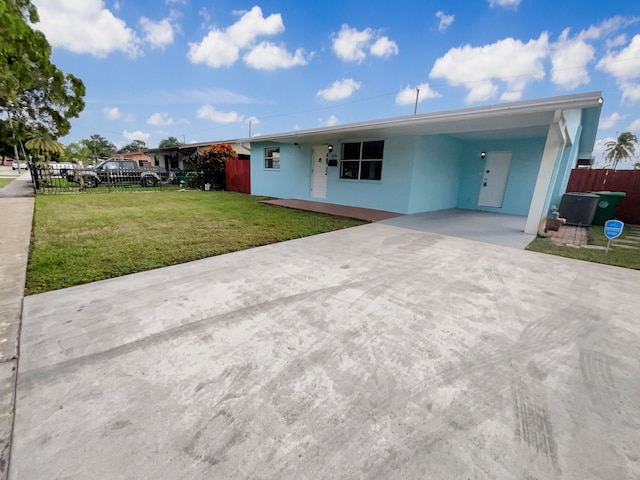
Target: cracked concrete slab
375, 352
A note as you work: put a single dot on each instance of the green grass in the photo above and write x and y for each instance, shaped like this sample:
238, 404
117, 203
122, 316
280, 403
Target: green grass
620, 257
5, 181
83, 238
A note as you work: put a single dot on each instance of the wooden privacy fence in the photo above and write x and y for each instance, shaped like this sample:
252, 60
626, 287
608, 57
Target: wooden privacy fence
238, 175
594, 180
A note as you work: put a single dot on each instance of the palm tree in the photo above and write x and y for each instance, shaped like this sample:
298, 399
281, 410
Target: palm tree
41, 143
620, 149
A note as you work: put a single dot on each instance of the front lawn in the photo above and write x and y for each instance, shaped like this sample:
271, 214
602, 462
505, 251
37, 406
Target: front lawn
618, 255
81, 238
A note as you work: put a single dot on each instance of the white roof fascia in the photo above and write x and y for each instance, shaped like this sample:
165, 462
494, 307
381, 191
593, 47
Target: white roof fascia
551, 104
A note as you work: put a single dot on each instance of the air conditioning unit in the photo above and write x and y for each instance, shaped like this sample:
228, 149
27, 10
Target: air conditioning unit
585, 161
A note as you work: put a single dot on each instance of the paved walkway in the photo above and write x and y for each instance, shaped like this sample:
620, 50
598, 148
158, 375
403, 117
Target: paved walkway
569, 235
364, 214
16, 216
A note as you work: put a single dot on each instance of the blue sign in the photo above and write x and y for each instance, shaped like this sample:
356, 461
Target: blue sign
613, 228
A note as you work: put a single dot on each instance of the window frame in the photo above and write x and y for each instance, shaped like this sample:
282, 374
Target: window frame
355, 165
270, 160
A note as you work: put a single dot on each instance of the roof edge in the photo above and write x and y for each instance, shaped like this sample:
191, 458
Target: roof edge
580, 100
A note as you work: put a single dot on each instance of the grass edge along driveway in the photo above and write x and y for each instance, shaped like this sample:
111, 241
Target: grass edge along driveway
624, 251
78, 239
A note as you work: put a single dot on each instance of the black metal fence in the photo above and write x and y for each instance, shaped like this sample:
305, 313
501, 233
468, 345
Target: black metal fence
77, 179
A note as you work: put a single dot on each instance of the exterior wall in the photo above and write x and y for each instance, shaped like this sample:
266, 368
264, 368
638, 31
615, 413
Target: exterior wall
418, 174
523, 172
293, 179
435, 182
390, 192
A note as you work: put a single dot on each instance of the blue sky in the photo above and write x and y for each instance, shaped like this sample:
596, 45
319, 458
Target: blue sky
214, 70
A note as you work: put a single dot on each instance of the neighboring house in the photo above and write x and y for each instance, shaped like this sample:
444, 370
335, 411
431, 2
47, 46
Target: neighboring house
513, 158
183, 156
142, 159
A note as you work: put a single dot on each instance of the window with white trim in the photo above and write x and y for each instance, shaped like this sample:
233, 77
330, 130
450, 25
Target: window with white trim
272, 158
362, 160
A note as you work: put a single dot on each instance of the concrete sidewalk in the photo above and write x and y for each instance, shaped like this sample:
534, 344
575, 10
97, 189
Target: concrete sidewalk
16, 217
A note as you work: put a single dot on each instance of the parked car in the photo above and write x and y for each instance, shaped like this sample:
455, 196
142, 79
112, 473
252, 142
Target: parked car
122, 171
15, 165
61, 168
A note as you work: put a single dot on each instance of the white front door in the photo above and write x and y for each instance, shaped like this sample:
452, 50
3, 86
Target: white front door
494, 179
319, 171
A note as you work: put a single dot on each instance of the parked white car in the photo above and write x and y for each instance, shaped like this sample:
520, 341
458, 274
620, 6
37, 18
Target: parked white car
61, 168
15, 165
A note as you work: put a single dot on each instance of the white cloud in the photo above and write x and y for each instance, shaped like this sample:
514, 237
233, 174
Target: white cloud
137, 135
611, 120
207, 112
407, 96
157, 34
85, 27
445, 20
624, 66
160, 118
504, 3
253, 120
618, 41
340, 89
116, 5
634, 126
351, 44
269, 56
478, 68
383, 47
569, 60
112, 113
221, 48
329, 122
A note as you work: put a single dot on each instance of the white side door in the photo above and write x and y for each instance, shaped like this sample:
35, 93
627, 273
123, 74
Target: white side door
494, 179
319, 171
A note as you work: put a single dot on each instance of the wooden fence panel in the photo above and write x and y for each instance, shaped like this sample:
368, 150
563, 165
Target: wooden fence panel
628, 181
238, 176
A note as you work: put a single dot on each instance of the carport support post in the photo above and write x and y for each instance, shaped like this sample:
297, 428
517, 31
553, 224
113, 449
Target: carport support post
541, 190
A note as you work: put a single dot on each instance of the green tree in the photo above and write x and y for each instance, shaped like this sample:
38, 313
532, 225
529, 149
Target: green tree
212, 164
135, 146
621, 149
77, 152
34, 93
42, 145
99, 146
169, 142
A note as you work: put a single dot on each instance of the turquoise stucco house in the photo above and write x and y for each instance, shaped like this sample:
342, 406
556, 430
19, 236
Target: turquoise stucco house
514, 158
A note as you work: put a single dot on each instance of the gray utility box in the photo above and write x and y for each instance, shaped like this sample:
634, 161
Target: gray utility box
579, 208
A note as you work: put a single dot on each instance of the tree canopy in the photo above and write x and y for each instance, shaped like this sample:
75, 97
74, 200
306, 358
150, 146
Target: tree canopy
99, 146
621, 149
34, 94
169, 142
134, 146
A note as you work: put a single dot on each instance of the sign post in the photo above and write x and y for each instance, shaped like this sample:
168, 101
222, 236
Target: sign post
612, 229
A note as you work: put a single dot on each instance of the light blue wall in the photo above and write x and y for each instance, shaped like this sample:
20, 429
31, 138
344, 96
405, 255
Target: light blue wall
390, 193
292, 180
436, 173
523, 172
418, 174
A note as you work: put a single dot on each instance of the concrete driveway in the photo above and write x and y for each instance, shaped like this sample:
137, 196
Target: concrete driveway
373, 352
